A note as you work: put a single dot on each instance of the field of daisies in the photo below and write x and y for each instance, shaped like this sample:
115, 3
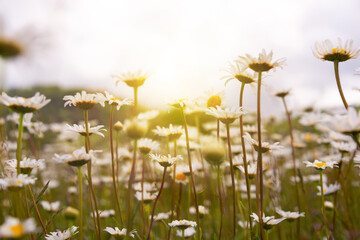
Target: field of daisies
197, 170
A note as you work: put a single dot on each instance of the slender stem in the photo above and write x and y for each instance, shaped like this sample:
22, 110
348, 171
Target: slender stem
80, 203
259, 177
232, 179
157, 198
322, 204
36, 209
294, 165
28, 210
19, 141
173, 192
183, 234
245, 159
191, 174
218, 129
220, 200
117, 202
135, 100
130, 183
336, 69
142, 193
179, 202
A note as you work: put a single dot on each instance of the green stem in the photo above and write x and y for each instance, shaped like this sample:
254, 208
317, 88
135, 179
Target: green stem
173, 191
336, 69
322, 204
191, 174
19, 141
135, 100
259, 177
80, 203
220, 200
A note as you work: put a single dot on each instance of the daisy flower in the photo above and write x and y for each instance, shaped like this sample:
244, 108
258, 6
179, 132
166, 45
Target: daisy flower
15, 228
188, 232
165, 161
62, 235
182, 224
239, 72
105, 213
268, 222
290, 216
117, 233
111, 100
132, 79
26, 165
348, 123
161, 216
82, 100
148, 115
78, 158
81, 129
179, 103
172, 132
147, 145
118, 126
24, 105
319, 165
226, 115
50, 206
251, 170
14, 182
147, 196
262, 63
265, 146
340, 52
329, 189
202, 210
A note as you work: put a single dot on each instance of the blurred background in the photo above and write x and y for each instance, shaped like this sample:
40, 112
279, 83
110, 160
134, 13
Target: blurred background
185, 46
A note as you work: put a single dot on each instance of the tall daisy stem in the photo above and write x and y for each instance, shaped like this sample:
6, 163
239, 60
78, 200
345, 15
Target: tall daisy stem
220, 200
173, 192
117, 202
19, 141
191, 174
232, 179
322, 204
336, 69
245, 159
80, 203
294, 164
156, 200
259, 177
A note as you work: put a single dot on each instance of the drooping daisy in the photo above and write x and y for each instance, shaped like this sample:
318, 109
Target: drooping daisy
26, 165
239, 72
81, 129
329, 189
319, 165
78, 158
262, 63
132, 79
50, 206
290, 216
182, 224
268, 222
147, 145
82, 100
62, 235
24, 105
165, 161
15, 228
265, 146
117, 233
340, 52
14, 182
111, 100
226, 115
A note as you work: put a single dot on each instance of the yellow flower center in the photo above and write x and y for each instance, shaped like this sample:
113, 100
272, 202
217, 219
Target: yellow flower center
308, 137
17, 230
213, 101
19, 182
180, 177
320, 164
73, 155
338, 50
325, 190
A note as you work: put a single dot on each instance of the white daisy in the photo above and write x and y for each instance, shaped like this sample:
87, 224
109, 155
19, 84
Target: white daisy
26, 165
239, 72
50, 206
14, 182
319, 165
340, 52
62, 235
265, 146
82, 100
188, 232
24, 105
81, 129
226, 115
268, 222
147, 145
116, 232
290, 216
111, 100
132, 79
262, 63
15, 228
329, 189
78, 158
182, 224
165, 161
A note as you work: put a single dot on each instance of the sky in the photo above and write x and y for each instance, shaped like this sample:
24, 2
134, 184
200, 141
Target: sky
185, 46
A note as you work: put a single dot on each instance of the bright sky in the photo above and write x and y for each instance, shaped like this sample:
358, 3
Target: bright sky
185, 46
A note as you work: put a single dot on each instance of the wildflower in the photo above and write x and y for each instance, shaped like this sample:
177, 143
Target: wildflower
62, 235
319, 165
348, 123
71, 213
15, 228
148, 115
82, 100
312, 118
81, 129
165, 161
135, 128
182, 224
117, 233
328, 52
78, 158
328, 190
10, 48
111, 100
214, 99
179, 103
50, 206
172, 132
227, 115
239, 72
344, 147
290, 216
265, 146
251, 170
147, 145
105, 213
14, 182
202, 210
188, 232
146, 196
26, 165
262, 63
24, 105
161, 216
268, 222
328, 205
132, 79
282, 94
118, 126
213, 152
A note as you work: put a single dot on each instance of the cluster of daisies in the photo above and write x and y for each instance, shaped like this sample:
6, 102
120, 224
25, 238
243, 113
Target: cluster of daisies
222, 173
